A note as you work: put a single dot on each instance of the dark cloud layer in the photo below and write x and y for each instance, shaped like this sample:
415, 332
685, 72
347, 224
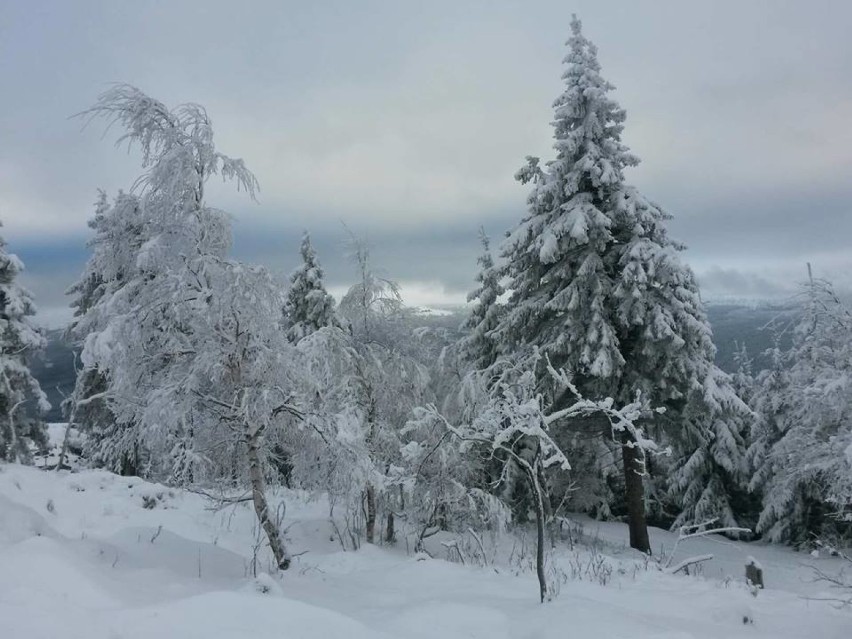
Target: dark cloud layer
406, 121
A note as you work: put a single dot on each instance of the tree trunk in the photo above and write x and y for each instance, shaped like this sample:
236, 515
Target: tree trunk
548, 507
538, 500
370, 495
15, 456
130, 465
390, 533
261, 508
64, 452
634, 496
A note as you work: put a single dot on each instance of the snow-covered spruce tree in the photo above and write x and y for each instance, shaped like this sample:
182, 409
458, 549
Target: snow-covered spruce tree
114, 248
480, 346
309, 307
709, 474
597, 283
153, 243
772, 402
807, 472
743, 500
743, 378
22, 402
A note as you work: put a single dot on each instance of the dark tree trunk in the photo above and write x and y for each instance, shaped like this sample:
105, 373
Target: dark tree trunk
634, 496
390, 533
370, 491
538, 500
548, 507
129, 465
370, 496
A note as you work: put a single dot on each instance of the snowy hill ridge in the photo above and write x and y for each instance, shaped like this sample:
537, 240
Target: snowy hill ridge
95, 555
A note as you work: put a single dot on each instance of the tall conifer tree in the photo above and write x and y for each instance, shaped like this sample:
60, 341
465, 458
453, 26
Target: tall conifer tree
597, 284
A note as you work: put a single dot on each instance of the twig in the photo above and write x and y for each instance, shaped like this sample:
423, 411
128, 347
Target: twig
686, 563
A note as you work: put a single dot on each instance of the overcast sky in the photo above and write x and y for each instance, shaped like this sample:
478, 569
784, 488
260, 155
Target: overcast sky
407, 120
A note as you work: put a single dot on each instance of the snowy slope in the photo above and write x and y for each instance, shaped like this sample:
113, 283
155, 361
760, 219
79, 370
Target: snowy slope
94, 555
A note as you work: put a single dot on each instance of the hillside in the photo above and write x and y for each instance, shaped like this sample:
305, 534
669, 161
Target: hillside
93, 555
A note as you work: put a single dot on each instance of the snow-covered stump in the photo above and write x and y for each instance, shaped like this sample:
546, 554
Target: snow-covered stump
754, 575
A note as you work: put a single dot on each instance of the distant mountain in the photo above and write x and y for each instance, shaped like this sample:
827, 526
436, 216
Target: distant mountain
750, 325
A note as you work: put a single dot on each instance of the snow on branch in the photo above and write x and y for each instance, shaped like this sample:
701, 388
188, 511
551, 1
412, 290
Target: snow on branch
176, 145
691, 532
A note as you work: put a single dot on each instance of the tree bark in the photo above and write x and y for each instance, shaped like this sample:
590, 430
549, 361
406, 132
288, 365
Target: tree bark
370, 495
634, 496
390, 532
64, 452
261, 508
548, 507
532, 472
538, 499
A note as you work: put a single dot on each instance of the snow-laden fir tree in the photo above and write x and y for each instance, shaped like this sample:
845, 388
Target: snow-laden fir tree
22, 402
309, 306
597, 284
743, 378
807, 472
744, 501
709, 475
772, 402
480, 346
117, 228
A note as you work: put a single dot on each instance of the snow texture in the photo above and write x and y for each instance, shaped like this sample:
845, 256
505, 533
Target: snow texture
102, 566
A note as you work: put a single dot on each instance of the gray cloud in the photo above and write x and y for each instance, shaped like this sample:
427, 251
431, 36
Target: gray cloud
721, 283
407, 122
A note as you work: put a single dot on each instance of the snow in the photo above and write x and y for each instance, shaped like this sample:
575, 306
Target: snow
102, 565
55, 440
429, 311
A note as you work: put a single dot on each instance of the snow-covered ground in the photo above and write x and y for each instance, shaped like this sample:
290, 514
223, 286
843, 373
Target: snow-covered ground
93, 555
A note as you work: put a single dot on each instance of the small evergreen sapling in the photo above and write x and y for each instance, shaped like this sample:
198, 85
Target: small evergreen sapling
309, 307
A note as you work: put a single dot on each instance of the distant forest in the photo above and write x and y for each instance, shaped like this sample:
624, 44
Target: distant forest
732, 324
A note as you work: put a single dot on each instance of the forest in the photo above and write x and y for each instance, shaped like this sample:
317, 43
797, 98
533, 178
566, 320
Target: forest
582, 381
